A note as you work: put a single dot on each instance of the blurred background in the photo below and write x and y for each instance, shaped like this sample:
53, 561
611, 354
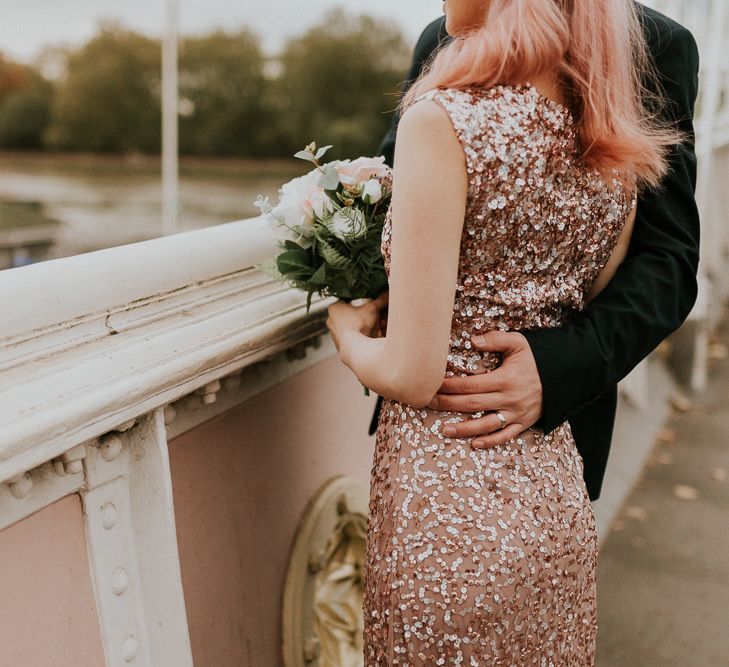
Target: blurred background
245, 85
81, 94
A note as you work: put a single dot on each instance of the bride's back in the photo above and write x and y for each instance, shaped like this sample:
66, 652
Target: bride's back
540, 224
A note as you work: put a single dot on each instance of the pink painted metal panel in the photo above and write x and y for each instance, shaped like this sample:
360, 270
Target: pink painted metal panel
48, 609
241, 483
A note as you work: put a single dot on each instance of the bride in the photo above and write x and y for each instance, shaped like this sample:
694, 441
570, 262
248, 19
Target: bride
519, 156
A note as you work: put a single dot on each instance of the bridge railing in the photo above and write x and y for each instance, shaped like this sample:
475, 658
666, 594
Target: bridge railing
104, 358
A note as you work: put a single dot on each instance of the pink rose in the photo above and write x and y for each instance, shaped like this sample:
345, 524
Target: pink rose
356, 172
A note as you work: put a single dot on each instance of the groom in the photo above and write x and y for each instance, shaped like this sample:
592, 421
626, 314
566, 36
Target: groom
571, 373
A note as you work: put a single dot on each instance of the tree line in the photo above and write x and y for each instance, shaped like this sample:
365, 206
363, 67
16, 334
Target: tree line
335, 84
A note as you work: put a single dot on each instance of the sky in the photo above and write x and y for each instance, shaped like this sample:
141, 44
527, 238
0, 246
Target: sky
28, 25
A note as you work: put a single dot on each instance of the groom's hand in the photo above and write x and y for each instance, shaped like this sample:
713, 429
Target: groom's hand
514, 389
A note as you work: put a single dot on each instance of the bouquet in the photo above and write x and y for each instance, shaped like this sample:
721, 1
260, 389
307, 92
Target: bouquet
330, 226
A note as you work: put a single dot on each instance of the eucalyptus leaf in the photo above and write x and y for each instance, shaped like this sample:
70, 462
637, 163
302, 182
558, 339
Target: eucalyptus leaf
330, 178
305, 155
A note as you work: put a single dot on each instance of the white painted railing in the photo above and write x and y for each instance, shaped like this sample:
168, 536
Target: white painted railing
124, 330
103, 358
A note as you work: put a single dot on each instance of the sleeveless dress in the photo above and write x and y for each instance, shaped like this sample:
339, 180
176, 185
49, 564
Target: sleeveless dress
487, 557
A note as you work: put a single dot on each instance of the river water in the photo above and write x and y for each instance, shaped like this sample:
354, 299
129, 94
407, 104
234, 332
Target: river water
94, 202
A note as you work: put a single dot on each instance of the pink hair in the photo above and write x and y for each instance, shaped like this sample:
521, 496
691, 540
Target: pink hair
597, 50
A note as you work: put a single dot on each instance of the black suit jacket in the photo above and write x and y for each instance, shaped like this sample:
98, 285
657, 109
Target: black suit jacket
653, 290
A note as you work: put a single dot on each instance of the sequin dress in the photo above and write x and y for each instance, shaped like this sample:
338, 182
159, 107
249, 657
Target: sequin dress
487, 557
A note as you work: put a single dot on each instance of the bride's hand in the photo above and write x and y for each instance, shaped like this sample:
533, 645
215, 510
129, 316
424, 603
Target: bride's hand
364, 319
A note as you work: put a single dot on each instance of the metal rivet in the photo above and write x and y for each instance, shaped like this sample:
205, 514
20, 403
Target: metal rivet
109, 515
73, 459
130, 647
126, 425
110, 445
73, 467
209, 392
119, 580
20, 485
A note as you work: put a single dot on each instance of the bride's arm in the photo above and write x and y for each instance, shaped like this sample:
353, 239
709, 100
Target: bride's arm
429, 199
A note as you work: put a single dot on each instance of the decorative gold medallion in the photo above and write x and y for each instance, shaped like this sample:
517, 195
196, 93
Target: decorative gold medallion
322, 605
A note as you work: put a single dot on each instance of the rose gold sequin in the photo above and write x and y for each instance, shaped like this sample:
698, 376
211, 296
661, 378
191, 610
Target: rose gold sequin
487, 557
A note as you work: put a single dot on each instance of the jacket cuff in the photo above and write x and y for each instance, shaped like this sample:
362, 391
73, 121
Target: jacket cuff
566, 377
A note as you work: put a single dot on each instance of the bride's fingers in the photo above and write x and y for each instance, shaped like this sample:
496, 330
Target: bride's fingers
481, 426
330, 326
498, 438
381, 301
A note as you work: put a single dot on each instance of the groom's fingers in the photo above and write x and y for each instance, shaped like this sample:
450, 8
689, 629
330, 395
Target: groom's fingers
485, 431
484, 383
506, 342
472, 427
467, 402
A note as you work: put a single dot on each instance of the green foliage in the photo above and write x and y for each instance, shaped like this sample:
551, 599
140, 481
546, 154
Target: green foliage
24, 116
337, 82
24, 105
356, 273
109, 100
348, 267
340, 79
222, 83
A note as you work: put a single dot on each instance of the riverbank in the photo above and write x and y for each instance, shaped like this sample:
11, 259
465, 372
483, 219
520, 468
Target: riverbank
99, 201
141, 163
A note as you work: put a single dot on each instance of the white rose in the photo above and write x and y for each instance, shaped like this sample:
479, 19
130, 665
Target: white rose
372, 191
301, 235
348, 222
294, 212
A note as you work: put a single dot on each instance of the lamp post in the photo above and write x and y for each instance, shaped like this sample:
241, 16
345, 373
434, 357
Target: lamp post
170, 162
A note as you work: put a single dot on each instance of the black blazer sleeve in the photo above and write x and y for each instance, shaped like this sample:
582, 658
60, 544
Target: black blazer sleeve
432, 37
655, 288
